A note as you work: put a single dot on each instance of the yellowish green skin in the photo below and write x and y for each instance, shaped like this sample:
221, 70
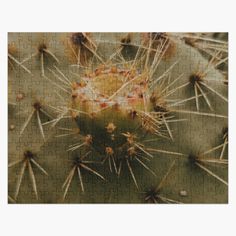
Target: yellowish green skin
196, 134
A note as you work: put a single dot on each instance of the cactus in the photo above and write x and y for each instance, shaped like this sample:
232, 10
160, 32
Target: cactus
117, 118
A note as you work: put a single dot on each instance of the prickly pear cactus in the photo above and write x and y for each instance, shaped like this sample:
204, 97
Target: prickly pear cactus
118, 118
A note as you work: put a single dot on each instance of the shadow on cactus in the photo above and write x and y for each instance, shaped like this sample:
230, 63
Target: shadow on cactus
118, 118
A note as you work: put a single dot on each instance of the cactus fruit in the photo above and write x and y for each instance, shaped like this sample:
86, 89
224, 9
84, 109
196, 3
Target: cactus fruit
118, 118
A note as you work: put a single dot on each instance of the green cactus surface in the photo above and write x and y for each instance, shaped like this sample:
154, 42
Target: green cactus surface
118, 117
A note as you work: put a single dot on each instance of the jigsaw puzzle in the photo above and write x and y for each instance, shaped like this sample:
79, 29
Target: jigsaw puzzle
118, 117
